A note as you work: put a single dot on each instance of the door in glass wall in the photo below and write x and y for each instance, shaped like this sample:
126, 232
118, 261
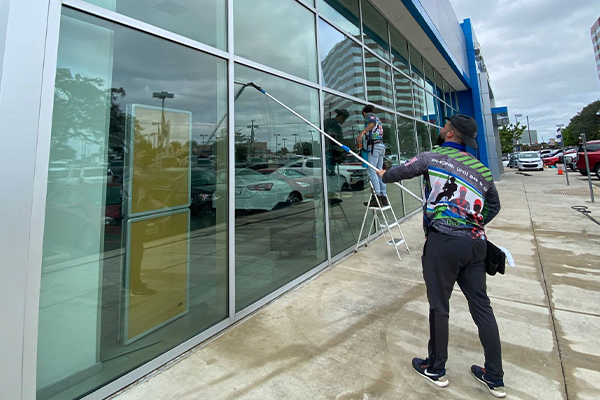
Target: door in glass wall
341, 61
379, 81
343, 13
279, 204
278, 33
134, 255
201, 20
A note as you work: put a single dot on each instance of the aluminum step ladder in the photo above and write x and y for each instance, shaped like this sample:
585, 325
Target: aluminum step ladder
387, 225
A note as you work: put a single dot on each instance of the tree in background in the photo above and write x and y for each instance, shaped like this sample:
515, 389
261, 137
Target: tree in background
509, 135
586, 121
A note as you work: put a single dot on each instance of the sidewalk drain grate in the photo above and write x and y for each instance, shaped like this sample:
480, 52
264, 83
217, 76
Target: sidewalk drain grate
580, 192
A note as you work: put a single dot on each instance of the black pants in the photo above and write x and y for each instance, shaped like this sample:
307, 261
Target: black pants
446, 260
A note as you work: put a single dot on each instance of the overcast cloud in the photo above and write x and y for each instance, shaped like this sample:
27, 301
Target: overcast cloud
538, 54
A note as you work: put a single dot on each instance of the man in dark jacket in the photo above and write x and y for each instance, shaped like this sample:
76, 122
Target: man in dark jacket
455, 248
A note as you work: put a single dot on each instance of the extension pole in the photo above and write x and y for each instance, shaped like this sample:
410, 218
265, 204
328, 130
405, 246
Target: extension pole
344, 147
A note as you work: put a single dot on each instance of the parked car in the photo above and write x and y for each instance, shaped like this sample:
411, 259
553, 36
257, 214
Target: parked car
255, 191
308, 185
570, 159
593, 151
552, 160
350, 175
529, 160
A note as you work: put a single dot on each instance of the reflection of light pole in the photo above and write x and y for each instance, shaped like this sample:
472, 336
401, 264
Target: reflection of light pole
162, 96
158, 125
252, 128
204, 136
311, 137
276, 141
284, 139
295, 135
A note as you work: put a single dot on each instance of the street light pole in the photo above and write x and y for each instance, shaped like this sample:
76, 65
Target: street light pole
529, 132
295, 135
276, 142
516, 123
284, 139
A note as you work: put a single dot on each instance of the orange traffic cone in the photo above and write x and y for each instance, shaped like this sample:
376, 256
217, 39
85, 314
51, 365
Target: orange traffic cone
560, 169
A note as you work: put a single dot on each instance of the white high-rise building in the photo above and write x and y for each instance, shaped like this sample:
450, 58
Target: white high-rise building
595, 32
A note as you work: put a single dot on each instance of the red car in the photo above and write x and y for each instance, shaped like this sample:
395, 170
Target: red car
551, 161
593, 151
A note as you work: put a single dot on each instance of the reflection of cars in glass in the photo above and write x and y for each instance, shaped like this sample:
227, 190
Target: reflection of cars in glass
203, 186
308, 186
335, 182
255, 191
116, 166
529, 160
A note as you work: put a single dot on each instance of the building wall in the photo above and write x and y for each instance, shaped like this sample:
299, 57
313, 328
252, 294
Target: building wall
134, 220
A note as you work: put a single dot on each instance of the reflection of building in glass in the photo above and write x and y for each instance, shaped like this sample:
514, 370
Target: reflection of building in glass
342, 67
595, 33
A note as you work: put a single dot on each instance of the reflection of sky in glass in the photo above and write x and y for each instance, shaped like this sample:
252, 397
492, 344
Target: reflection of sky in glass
201, 20
274, 121
343, 13
280, 34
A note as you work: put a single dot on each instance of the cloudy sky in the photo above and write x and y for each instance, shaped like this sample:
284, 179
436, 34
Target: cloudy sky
539, 56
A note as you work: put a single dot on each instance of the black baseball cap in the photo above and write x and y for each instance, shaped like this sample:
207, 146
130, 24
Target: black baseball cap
343, 111
467, 126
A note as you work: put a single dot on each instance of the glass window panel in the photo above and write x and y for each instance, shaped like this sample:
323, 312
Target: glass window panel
403, 94
346, 198
423, 137
447, 90
392, 154
375, 30
440, 111
408, 149
454, 100
432, 115
280, 34
399, 51
130, 268
379, 81
341, 61
420, 103
310, 2
429, 81
201, 20
343, 13
279, 221
416, 62
434, 132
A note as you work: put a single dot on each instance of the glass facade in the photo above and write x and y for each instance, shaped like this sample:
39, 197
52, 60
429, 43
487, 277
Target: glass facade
136, 255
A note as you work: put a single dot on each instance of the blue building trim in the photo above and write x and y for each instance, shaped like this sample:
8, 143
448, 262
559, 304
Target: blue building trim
474, 103
500, 110
420, 15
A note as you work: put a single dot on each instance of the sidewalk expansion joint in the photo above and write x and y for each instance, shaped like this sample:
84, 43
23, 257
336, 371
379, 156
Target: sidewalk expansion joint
547, 292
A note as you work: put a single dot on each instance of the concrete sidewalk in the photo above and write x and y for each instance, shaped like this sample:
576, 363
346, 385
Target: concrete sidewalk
352, 332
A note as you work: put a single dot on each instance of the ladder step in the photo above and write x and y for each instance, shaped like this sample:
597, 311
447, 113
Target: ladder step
385, 208
397, 242
392, 225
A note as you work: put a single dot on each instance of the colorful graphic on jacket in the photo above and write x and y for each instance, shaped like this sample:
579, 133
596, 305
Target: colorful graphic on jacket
454, 199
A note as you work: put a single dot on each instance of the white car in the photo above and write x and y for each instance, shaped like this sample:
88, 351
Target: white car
349, 175
255, 191
529, 160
